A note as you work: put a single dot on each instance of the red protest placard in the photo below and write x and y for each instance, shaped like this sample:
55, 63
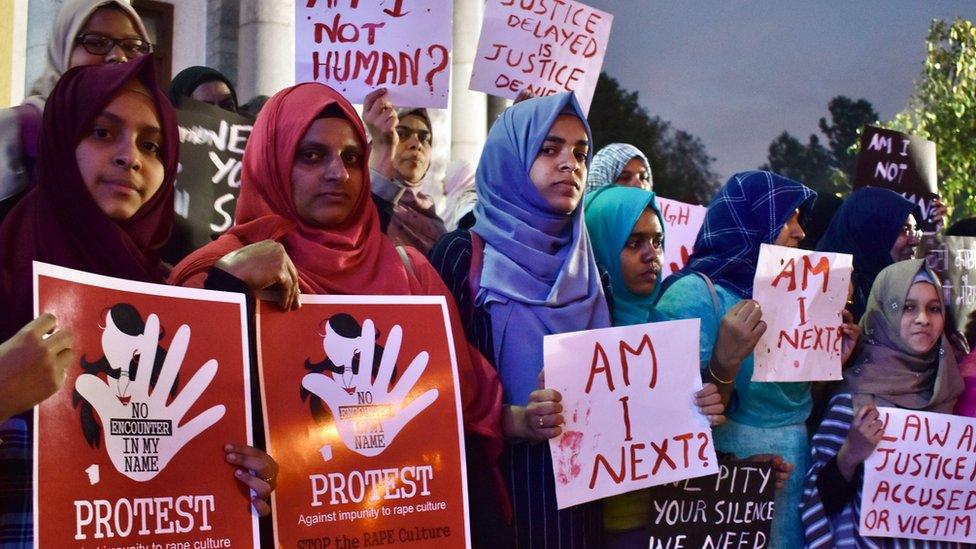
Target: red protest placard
920, 482
159, 386
543, 47
362, 407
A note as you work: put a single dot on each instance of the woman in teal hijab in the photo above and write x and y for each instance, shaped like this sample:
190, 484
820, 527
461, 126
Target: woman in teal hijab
627, 233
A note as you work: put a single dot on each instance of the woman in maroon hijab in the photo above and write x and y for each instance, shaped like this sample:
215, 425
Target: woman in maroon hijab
103, 204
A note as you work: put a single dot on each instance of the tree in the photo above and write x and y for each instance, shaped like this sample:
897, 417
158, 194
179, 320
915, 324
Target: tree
679, 162
847, 117
811, 163
943, 109
824, 169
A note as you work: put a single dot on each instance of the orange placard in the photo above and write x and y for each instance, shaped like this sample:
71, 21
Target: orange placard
362, 411
130, 452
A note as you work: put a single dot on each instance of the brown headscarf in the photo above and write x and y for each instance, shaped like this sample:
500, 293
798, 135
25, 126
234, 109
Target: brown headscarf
58, 221
886, 371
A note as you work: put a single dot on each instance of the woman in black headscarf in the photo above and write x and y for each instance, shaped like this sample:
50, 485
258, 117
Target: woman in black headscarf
206, 85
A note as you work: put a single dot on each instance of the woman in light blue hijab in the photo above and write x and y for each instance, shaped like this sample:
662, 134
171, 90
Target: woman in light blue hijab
539, 275
524, 271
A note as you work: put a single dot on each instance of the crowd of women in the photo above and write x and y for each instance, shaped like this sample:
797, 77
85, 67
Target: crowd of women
551, 239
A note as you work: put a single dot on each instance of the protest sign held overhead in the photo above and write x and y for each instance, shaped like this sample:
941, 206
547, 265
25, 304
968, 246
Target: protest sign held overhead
682, 223
160, 385
212, 142
361, 393
357, 47
542, 47
801, 294
900, 162
920, 482
618, 385
733, 508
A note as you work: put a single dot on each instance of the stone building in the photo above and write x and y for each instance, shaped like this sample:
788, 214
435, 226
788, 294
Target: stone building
252, 42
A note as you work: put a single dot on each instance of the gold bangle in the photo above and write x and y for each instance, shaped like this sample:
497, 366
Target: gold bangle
718, 379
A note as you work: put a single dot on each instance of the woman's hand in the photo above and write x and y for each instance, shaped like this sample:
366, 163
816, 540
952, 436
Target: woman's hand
709, 403
850, 333
865, 434
738, 333
33, 365
543, 415
381, 122
939, 211
262, 265
781, 468
257, 470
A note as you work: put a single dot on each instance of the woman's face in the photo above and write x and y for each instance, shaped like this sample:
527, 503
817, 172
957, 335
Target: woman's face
640, 260
908, 238
634, 174
791, 234
120, 155
216, 93
109, 23
559, 169
922, 319
327, 175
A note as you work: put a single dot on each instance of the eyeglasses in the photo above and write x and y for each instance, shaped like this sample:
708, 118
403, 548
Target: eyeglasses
406, 133
99, 44
911, 232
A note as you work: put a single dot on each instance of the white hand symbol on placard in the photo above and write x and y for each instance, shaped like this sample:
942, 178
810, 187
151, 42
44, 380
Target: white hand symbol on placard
142, 432
368, 414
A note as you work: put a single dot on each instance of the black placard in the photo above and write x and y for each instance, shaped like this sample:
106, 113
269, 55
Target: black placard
900, 162
212, 144
731, 509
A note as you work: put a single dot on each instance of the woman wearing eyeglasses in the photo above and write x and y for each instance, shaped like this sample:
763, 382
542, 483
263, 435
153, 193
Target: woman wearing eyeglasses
86, 32
620, 164
877, 227
398, 162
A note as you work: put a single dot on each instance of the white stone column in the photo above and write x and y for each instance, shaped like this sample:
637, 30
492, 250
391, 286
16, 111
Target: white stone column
40, 20
15, 64
189, 34
266, 47
468, 108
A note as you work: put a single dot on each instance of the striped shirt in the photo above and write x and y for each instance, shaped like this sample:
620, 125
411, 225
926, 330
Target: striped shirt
16, 462
527, 467
839, 529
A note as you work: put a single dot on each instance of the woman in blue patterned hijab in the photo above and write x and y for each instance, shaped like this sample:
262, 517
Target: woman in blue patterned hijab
619, 164
753, 208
